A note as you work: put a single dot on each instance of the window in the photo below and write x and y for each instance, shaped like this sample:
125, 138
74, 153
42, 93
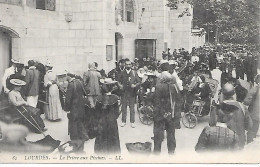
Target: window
129, 7
145, 48
42, 4
109, 52
126, 12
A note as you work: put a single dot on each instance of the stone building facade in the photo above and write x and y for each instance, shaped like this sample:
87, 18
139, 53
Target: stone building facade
72, 33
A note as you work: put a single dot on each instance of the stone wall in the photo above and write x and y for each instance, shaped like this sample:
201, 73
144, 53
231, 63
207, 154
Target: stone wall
47, 36
181, 33
155, 23
77, 32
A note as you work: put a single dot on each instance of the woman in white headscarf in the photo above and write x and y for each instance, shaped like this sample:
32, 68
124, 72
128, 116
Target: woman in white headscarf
53, 110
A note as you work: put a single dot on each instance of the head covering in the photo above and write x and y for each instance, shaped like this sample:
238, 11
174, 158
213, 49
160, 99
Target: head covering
164, 66
49, 64
107, 81
20, 65
17, 82
149, 74
163, 61
172, 62
15, 61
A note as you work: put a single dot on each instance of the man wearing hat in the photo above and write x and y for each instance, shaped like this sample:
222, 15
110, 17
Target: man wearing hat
9, 71
32, 84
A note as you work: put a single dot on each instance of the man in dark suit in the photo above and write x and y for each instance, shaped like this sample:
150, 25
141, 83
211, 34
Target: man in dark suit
129, 82
32, 84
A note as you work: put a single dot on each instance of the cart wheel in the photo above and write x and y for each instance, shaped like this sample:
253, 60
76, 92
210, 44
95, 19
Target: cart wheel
145, 118
189, 120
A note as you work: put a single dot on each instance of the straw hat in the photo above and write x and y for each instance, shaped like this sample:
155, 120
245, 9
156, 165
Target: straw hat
17, 82
15, 61
107, 81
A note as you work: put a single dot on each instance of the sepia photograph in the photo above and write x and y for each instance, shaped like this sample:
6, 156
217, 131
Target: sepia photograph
129, 81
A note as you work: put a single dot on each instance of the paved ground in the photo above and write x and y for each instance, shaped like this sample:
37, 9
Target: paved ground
186, 138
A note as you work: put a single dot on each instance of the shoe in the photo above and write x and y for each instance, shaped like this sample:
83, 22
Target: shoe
123, 124
132, 125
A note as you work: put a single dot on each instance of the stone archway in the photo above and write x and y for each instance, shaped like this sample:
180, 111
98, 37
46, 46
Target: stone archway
9, 45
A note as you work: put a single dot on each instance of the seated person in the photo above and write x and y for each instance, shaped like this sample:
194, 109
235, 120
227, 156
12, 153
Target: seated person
30, 115
203, 92
148, 88
191, 87
217, 137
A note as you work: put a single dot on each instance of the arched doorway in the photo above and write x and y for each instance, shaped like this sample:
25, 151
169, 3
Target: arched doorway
119, 46
7, 37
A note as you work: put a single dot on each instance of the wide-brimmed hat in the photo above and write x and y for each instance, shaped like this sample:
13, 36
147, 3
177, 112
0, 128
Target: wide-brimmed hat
149, 74
15, 61
17, 82
173, 62
107, 81
163, 61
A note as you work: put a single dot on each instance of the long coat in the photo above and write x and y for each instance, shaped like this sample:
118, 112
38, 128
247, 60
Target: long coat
91, 80
107, 141
75, 103
162, 99
32, 79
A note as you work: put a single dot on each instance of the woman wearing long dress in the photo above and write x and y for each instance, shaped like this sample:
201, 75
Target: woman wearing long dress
53, 110
107, 141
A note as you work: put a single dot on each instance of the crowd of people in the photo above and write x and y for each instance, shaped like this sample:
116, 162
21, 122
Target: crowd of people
169, 86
